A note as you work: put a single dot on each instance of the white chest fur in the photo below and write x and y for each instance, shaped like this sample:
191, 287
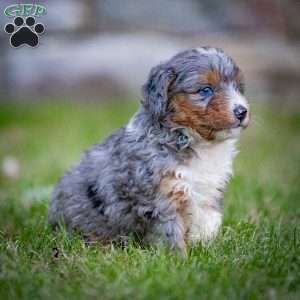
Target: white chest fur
202, 179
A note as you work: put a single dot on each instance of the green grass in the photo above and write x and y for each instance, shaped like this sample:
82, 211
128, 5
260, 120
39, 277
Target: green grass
256, 255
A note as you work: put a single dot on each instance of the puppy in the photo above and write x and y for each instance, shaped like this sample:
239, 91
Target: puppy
162, 176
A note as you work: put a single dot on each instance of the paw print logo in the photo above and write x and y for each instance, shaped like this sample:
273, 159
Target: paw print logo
24, 33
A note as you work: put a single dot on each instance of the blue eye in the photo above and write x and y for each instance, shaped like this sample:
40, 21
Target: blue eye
206, 91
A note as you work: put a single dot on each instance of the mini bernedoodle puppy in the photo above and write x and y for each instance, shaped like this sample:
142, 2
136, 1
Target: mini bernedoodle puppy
162, 176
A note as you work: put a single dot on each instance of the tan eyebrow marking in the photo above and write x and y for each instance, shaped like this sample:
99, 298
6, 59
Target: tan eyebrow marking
212, 77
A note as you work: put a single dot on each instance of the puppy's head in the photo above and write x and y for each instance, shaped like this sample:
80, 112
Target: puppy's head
201, 89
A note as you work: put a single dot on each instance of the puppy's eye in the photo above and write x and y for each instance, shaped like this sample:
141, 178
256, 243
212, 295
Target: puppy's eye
207, 91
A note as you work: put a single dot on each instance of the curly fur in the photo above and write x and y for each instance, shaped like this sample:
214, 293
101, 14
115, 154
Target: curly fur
162, 176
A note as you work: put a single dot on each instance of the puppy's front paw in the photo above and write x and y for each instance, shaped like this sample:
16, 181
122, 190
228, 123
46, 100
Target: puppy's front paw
207, 228
170, 233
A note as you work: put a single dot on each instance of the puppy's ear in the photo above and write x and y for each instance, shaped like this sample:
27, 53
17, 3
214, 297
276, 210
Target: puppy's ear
155, 90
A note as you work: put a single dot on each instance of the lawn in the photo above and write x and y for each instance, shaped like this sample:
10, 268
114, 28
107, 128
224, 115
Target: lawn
256, 255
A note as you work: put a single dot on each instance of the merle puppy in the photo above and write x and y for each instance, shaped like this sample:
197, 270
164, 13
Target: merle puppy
162, 176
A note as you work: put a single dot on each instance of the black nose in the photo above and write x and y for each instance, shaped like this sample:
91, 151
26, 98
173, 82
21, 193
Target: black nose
240, 112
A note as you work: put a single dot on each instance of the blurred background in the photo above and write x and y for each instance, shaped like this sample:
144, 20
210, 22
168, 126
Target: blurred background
83, 81
98, 49
84, 78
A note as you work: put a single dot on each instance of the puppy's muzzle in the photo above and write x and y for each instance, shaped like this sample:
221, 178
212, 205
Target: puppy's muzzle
240, 112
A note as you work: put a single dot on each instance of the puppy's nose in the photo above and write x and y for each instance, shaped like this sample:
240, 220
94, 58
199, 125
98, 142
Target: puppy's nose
240, 112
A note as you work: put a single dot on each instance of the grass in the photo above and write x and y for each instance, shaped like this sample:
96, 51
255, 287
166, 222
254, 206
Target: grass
256, 255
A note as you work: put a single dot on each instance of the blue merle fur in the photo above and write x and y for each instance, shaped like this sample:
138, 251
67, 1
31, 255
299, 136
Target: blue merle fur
113, 192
